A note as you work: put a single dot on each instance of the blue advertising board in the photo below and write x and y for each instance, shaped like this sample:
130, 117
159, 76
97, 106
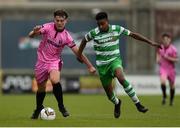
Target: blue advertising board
19, 51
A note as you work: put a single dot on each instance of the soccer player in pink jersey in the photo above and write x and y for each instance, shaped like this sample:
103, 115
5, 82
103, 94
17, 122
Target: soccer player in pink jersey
166, 58
49, 62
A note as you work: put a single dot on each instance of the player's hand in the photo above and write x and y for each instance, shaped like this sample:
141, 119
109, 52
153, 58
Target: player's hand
92, 70
165, 56
37, 28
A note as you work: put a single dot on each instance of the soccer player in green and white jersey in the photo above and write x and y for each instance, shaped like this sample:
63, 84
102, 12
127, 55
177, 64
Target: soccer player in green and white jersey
108, 60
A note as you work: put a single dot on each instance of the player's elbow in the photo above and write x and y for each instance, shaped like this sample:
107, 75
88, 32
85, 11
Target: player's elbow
135, 35
79, 54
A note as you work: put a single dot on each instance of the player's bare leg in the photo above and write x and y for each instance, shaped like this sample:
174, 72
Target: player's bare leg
40, 95
57, 91
129, 90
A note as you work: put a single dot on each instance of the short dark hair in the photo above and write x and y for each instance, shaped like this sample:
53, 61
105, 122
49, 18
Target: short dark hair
166, 34
61, 13
101, 15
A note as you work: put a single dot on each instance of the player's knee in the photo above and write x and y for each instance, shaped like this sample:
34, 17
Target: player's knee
163, 83
122, 81
41, 88
172, 86
54, 80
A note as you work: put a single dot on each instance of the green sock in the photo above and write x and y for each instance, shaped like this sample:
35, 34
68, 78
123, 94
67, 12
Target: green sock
111, 95
114, 99
130, 91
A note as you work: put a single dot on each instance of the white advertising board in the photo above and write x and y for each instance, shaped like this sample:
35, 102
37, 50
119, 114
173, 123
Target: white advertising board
146, 84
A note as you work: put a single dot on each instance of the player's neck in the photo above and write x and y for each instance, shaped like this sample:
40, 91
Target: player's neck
167, 46
104, 31
107, 30
58, 30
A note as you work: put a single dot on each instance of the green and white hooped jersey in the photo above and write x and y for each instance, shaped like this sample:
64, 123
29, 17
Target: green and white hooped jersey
106, 44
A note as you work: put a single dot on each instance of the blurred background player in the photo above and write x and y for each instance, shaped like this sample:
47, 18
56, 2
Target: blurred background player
166, 58
108, 60
54, 38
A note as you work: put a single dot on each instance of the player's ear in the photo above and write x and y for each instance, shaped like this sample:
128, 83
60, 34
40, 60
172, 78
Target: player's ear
66, 20
54, 20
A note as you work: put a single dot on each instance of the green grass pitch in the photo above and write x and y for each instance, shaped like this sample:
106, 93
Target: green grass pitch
89, 111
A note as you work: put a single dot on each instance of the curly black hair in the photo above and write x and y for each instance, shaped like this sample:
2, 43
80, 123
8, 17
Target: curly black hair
101, 15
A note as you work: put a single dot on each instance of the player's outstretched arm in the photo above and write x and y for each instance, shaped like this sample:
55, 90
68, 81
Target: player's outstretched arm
140, 37
35, 32
84, 59
81, 47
